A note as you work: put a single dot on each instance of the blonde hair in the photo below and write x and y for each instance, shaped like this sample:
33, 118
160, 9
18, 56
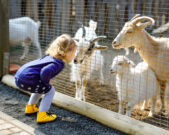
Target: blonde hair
60, 46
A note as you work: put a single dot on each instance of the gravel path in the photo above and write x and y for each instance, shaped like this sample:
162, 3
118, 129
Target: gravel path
13, 102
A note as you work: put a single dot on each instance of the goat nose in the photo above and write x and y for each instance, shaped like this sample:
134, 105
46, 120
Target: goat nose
114, 42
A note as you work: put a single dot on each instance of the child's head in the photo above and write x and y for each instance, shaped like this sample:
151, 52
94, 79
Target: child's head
63, 48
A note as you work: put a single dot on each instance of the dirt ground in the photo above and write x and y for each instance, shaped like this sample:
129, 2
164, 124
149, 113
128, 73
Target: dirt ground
12, 102
102, 95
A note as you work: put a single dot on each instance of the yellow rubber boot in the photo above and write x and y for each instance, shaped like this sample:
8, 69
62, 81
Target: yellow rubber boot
44, 117
31, 109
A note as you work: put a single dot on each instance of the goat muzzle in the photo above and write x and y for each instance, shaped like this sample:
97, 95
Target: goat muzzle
111, 72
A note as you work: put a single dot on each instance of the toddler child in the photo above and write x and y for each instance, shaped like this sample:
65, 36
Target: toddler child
35, 76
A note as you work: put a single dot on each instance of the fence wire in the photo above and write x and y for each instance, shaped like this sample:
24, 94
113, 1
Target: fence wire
58, 17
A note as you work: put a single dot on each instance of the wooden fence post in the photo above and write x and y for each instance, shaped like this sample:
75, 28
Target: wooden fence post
112, 21
35, 10
29, 8
101, 12
15, 8
65, 16
79, 17
130, 5
91, 10
149, 7
4, 37
58, 17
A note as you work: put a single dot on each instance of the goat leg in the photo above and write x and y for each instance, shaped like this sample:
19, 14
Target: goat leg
26, 50
121, 107
162, 95
77, 90
39, 49
152, 112
83, 89
129, 108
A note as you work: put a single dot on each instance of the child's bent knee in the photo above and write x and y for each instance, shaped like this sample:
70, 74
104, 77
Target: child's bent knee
51, 91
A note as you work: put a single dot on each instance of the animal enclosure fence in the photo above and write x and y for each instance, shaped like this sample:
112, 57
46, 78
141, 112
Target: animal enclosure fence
66, 16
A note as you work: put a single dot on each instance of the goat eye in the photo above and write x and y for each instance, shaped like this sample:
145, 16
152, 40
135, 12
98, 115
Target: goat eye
89, 49
129, 32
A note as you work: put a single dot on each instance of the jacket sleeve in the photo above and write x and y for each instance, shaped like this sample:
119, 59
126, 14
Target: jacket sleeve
49, 72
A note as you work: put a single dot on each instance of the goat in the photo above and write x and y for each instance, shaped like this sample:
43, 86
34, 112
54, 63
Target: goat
24, 31
88, 33
154, 51
134, 84
82, 66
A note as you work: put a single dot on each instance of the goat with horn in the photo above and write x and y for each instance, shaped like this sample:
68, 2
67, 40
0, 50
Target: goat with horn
87, 59
154, 51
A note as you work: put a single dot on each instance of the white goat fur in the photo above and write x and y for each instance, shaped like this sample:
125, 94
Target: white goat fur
95, 62
134, 84
154, 51
24, 31
80, 73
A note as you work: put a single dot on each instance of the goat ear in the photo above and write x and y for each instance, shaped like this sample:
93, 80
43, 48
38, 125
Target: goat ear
76, 39
135, 50
143, 25
101, 47
131, 63
137, 15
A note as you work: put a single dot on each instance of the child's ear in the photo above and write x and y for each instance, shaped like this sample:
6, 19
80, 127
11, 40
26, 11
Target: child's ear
101, 47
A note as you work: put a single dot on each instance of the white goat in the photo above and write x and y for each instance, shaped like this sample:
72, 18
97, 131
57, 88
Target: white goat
154, 51
88, 33
85, 63
134, 84
24, 31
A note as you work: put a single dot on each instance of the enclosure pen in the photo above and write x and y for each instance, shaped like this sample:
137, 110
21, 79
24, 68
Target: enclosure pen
104, 116
108, 17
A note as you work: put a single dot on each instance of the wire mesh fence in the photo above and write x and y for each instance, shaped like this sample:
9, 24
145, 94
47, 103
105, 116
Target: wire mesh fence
67, 16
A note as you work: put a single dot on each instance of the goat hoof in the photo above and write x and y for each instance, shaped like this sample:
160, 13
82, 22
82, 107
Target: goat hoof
101, 82
161, 113
78, 98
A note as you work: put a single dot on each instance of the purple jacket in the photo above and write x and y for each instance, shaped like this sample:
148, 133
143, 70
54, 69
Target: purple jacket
41, 69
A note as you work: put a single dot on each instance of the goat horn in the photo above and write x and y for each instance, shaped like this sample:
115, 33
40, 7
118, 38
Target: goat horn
143, 18
136, 16
97, 39
84, 31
